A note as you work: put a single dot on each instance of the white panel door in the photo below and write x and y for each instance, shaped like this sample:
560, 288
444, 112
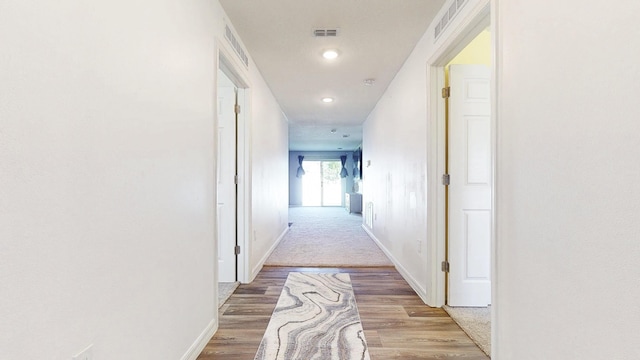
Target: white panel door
226, 179
470, 186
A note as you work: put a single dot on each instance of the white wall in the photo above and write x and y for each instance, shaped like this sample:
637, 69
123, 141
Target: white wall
396, 139
269, 173
568, 198
107, 180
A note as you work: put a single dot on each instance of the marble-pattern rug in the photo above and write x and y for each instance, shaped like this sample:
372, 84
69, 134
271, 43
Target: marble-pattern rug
316, 317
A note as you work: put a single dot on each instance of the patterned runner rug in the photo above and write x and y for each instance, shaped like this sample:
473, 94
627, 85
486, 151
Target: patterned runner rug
316, 318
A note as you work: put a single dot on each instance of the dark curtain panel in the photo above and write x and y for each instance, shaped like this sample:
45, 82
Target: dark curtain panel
344, 173
360, 162
300, 169
355, 166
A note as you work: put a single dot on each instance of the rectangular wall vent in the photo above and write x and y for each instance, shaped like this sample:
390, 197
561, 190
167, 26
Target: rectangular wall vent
368, 215
448, 16
452, 10
236, 45
325, 32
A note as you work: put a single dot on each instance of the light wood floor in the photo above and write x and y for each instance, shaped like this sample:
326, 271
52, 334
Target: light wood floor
397, 324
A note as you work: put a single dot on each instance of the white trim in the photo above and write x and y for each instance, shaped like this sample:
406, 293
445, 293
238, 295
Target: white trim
435, 209
196, 348
414, 283
496, 70
215, 214
453, 41
244, 184
260, 264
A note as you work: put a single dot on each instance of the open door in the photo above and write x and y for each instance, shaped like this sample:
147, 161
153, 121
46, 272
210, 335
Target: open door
227, 186
469, 191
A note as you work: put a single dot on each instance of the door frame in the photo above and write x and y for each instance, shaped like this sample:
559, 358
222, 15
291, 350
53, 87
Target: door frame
224, 155
476, 20
238, 73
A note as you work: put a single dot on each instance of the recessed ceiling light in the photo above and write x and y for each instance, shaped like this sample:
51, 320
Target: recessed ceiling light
345, 135
330, 54
333, 131
327, 100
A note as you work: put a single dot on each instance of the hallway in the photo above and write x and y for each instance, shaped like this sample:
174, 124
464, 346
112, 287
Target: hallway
397, 324
109, 143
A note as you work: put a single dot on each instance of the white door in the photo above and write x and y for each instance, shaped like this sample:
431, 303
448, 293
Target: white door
470, 186
226, 179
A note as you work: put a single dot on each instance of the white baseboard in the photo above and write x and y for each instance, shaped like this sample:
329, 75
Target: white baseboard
415, 285
256, 269
202, 340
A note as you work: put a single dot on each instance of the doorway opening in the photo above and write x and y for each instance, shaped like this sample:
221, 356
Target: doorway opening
468, 163
322, 184
232, 164
227, 172
461, 158
478, 21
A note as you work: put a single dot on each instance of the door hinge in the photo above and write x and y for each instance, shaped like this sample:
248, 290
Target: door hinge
236, 108
235, 179
445, 266
237, 250
446, 92
446, 179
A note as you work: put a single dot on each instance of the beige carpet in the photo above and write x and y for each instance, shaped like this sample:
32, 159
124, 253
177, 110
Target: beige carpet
326, 237
476, 322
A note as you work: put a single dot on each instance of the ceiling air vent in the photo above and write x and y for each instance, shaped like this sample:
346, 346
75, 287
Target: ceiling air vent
325, 32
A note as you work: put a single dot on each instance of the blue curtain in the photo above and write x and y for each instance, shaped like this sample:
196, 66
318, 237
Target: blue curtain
344, 173
300, 171
355, 165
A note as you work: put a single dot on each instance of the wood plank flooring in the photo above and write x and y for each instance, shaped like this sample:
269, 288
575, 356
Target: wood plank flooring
397, 324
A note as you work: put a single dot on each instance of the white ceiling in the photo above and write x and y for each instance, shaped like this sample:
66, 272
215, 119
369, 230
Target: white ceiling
375, 38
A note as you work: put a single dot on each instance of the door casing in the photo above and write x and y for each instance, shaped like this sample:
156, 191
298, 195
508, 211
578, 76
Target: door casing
237, 72
227, 168
477, 19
